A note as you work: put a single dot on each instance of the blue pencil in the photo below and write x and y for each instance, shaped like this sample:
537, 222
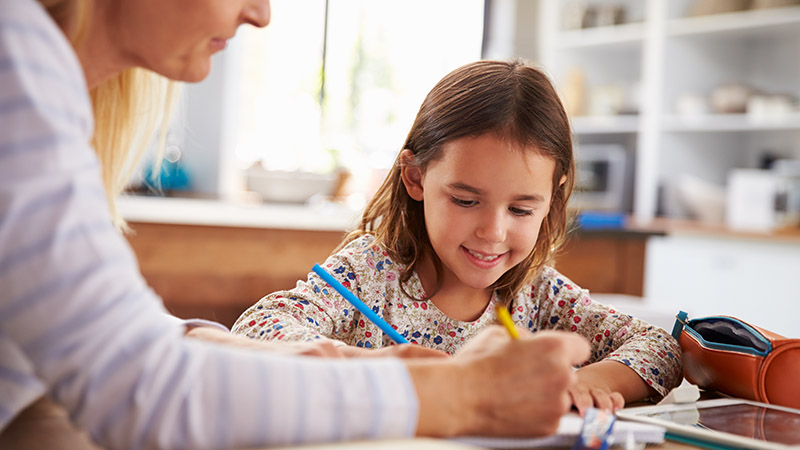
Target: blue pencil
359, 305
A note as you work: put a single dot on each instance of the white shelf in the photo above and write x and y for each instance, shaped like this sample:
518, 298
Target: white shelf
764, 21
731, 122
605, 124
619, 35
668, 57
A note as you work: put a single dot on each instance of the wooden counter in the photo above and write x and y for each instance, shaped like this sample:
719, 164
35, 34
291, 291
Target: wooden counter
605, 262
216, 272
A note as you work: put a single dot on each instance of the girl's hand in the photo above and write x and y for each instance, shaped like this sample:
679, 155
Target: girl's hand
607, 385
585, 395
397, 351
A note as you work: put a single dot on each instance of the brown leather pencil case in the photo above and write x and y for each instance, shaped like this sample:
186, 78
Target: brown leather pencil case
729, 355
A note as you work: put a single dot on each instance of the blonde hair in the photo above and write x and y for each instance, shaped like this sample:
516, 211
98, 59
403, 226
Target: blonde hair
128, 108
514, 101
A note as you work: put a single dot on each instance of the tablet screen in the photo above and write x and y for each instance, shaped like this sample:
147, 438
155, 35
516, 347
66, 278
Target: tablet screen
752, 421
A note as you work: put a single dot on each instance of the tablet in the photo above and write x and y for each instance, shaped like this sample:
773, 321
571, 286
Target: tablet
726, 422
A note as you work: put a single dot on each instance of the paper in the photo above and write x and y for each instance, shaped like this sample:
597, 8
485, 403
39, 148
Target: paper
685, 393
568, 430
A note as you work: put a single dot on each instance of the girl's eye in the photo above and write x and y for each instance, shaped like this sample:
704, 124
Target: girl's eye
520, 212
463, 203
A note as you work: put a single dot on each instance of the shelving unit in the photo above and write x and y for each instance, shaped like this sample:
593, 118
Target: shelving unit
605, 124
769, 21
671, 56
730, 122
630, 34
667, 55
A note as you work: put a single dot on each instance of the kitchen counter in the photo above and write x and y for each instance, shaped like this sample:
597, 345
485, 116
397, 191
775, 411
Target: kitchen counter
663, 226
338, 217
189, 211
675, 227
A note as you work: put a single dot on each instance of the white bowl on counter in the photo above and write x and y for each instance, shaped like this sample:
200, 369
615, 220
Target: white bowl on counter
289, 187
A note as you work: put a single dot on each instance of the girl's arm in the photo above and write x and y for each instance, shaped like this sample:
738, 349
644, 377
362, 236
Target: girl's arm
310, 311
321, 348
313, 311
638, 360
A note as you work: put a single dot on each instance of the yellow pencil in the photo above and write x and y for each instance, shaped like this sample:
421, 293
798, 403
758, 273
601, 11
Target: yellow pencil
505, 319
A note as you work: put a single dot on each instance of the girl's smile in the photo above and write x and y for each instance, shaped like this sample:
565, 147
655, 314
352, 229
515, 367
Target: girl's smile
484, 260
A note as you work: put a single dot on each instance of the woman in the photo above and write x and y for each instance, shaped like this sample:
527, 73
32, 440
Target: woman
79, 324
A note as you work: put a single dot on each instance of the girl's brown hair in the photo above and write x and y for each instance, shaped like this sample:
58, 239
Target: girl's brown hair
516, 102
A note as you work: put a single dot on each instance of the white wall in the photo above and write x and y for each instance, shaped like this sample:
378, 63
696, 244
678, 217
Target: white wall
753, 279
513, 30
208, 139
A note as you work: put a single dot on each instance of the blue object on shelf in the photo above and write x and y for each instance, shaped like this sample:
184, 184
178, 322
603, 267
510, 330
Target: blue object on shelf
172, 176
598, 220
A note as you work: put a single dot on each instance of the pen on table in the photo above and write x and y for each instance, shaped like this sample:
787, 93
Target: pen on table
359, 305
505, 319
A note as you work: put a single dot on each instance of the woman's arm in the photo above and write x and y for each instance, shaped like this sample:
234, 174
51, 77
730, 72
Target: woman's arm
79, 323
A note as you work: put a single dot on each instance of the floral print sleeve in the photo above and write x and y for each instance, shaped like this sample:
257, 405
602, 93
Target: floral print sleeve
556, 303
312, 310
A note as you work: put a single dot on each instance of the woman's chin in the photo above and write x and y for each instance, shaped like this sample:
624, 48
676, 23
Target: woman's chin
191, 73
196, 74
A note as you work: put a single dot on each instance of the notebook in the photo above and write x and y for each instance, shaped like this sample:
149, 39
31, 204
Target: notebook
568, 430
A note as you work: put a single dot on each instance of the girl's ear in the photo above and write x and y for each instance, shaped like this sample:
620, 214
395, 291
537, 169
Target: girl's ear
560, 184
411, 175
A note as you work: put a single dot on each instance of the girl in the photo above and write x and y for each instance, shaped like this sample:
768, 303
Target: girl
470, 216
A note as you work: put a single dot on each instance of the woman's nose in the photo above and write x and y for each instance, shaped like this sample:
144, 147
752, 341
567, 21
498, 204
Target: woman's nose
492, 227
257, 13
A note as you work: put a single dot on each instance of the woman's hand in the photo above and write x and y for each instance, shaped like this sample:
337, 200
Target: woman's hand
499, 386
397, 351
321, 348
607, 385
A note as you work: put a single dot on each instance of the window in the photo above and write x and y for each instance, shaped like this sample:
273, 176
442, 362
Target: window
313, 103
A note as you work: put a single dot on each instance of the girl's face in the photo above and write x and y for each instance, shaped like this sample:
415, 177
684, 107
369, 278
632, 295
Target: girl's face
484, 203
176, 38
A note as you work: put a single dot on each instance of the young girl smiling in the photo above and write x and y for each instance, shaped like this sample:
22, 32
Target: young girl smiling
470, 216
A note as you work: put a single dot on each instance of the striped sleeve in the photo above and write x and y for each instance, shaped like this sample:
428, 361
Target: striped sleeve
78, 322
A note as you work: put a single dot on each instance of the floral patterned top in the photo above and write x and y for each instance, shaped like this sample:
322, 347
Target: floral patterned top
313, 310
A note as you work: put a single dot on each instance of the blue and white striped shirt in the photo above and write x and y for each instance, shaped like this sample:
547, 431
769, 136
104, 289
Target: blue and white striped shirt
78, 322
